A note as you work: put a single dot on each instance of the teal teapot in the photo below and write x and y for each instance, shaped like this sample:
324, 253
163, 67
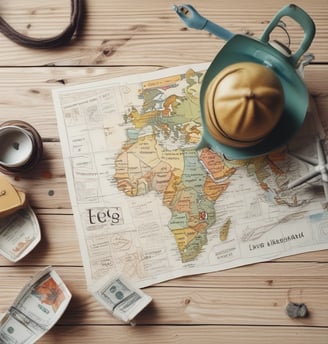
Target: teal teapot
266, 123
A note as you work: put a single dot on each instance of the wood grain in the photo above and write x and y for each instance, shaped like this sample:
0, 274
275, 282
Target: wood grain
120, 33
187, 334
188, 303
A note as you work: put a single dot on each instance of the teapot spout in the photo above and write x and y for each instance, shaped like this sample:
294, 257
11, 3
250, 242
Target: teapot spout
194, 20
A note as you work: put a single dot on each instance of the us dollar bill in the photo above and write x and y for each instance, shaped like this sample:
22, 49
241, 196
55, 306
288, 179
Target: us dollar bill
120, 297
36, 309
19, 234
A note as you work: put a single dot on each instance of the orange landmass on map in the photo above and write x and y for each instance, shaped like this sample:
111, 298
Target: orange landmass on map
141, 120
215, 164
183, 236
214, 190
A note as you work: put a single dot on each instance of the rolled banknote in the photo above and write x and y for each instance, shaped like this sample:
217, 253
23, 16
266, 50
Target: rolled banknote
120, 297
36, 309
19, 234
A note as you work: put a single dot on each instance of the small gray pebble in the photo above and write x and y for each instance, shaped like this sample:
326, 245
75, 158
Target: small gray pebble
296, 310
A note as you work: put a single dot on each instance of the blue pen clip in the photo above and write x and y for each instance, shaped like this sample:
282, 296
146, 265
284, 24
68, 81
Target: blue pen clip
194, 20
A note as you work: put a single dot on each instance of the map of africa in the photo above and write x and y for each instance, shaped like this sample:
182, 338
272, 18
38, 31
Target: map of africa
149, 204
159, 162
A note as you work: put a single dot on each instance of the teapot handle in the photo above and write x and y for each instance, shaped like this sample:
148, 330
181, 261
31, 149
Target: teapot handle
307, 24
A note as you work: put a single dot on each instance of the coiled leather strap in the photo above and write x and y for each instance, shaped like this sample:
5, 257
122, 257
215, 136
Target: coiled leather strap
51, 42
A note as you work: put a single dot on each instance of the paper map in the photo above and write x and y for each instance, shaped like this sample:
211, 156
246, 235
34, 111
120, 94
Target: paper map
148, 205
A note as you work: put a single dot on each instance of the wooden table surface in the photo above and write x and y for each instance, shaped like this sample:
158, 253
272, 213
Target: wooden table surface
122, 37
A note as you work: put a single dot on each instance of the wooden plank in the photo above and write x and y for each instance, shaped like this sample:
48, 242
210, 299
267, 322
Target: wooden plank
26, 93
186, 303
185, 334
143, 35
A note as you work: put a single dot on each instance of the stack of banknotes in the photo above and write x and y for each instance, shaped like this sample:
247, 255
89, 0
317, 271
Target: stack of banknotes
36, 309
120, 297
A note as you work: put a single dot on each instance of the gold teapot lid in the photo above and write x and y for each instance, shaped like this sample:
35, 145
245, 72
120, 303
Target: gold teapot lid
243, 103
